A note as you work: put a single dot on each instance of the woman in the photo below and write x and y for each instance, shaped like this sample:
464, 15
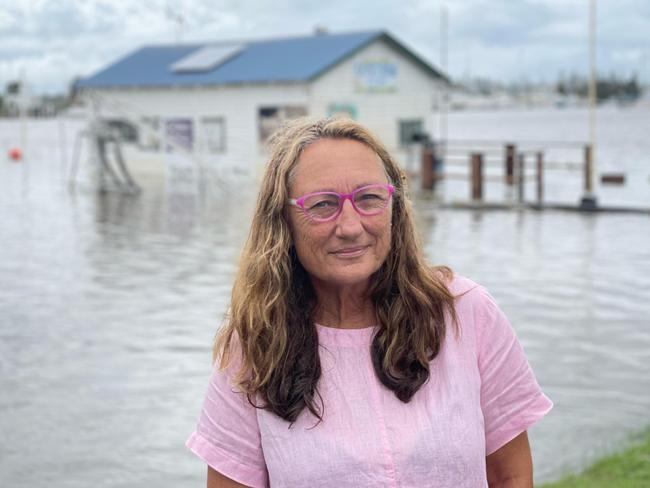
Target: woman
346, 360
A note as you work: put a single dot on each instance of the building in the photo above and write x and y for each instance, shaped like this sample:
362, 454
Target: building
18, 99
219, 102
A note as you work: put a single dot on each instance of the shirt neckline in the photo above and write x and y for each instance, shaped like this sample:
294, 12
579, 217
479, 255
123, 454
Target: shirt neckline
345, 337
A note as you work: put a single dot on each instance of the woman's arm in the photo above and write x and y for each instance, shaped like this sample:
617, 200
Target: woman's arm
511, 466
217, 480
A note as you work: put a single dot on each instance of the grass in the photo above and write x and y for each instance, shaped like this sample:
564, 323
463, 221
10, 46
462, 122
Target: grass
629, 469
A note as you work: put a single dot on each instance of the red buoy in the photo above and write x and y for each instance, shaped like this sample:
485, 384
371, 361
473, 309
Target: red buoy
15, 154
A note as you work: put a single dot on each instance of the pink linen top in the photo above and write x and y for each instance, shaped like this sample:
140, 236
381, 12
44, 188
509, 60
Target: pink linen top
481, 394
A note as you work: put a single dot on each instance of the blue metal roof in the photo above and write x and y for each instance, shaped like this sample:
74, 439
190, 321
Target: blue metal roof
296, 59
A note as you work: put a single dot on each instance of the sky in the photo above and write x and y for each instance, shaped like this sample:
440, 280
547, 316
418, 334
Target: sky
50, 42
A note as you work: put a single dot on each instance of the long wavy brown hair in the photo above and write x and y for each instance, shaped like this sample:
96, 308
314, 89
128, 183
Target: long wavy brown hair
270, 324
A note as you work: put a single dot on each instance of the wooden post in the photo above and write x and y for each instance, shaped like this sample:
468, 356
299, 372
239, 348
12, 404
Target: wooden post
540, 178
588, 170
521, 177
510, 153
476, 162
426, 170
438, 161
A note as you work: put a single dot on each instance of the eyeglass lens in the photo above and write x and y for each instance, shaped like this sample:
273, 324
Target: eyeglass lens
370, 200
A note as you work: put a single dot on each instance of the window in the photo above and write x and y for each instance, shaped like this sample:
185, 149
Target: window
271, 118
214, 134
409, 131
179, 135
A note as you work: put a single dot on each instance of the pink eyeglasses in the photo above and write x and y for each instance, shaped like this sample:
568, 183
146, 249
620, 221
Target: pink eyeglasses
324, 206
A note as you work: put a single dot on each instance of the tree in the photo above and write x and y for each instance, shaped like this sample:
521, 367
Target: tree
607, 88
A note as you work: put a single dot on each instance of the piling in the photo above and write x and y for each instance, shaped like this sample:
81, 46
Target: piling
521, 177
476, 162
588, 202
509, 162
427, 170
588, 162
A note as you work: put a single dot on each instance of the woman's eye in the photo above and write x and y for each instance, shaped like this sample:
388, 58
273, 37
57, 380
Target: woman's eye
370, 196
323, 204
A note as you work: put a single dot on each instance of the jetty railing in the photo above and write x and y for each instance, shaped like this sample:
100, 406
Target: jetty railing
514, 158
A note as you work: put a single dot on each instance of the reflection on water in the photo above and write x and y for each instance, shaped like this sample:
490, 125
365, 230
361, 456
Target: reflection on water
109, 303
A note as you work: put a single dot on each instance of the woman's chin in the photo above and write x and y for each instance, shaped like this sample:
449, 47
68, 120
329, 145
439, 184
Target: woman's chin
348, 276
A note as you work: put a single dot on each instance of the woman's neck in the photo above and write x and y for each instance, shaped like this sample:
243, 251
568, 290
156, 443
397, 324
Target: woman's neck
347, 307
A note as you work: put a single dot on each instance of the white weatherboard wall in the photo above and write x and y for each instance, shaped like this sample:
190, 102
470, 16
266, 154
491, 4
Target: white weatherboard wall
413, 96
238, 105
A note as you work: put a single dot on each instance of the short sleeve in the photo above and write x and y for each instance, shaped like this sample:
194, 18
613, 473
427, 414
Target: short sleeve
227, 436
511, 399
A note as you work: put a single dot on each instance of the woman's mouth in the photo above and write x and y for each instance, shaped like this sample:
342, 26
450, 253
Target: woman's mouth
350, 252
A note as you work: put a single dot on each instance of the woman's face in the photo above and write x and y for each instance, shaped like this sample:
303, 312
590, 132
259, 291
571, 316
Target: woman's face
350, 248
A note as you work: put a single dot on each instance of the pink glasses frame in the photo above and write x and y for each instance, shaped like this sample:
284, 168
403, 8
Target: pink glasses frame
300, 202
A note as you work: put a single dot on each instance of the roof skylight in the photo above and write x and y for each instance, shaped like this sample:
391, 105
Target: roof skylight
206, 58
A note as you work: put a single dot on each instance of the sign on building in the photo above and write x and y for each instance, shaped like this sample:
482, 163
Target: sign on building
375, 76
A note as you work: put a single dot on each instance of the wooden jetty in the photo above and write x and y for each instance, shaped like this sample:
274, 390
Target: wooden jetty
514, 158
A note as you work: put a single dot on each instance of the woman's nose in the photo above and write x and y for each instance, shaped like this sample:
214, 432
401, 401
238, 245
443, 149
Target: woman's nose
348, 223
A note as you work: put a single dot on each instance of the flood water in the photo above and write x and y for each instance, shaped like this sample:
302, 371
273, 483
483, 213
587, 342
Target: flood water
108, 305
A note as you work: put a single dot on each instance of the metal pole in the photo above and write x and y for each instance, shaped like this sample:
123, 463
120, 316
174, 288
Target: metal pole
22, 113
589, 198
63, 145
444, 53
593, 87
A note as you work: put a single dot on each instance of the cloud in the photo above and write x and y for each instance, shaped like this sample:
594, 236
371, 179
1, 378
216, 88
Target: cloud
504, 39
500, 22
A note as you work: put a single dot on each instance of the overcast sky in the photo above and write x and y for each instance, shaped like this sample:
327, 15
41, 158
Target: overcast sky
52, 41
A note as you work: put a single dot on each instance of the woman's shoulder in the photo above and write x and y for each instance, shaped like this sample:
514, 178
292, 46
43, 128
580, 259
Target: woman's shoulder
462, 287
471, 299
476, 309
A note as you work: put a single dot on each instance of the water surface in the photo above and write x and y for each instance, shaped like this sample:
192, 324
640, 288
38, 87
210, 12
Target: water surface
109, 303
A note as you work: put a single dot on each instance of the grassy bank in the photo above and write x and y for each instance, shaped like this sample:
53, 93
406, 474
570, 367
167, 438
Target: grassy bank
629, 469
